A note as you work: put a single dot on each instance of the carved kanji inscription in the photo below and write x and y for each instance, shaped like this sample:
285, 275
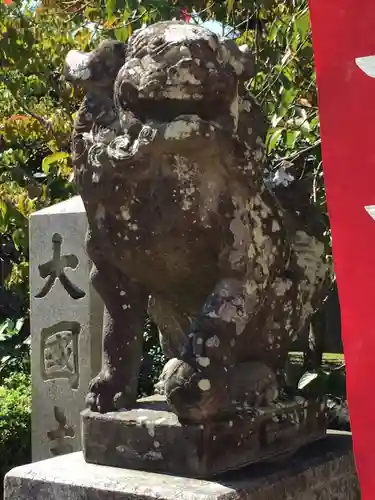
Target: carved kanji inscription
55, 269
61, 435
59, 352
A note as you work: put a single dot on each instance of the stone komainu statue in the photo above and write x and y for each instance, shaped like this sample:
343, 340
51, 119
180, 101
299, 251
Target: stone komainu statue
186, 224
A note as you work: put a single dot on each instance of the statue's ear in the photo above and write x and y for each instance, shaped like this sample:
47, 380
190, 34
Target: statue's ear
240, 58
98, 68
248, 61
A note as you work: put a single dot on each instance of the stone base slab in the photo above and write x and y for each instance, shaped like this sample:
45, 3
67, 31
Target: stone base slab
321, 471
151, 438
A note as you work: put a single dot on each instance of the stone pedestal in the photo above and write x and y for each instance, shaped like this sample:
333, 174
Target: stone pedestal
151, 438
322, 471
66, 321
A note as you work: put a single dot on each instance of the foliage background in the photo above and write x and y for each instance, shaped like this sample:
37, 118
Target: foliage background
37, 109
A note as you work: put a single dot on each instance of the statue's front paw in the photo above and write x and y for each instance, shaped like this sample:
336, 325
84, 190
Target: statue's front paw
106, 394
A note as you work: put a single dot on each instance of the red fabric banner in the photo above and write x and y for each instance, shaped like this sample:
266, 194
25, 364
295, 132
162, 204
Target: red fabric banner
343, 38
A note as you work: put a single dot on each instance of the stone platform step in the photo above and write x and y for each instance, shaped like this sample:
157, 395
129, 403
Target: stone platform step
324, 470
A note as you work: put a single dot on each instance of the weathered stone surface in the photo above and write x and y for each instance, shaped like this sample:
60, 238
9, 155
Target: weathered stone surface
323, 471
66, 321
186, 222
150, 437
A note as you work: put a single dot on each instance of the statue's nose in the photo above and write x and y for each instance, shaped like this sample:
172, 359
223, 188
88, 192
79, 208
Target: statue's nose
183, 72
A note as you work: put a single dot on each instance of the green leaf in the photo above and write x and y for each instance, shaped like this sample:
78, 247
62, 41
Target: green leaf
230, 5
306, 379
4, 326
110, 7
10, 327
48, 161
302, 23
273, 32
291, 138
19, 238
287, 99
273, 139
3, 209
19, 324
122, 34
91, 13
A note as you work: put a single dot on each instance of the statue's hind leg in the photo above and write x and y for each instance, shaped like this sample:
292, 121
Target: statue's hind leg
208, 381
223, 317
